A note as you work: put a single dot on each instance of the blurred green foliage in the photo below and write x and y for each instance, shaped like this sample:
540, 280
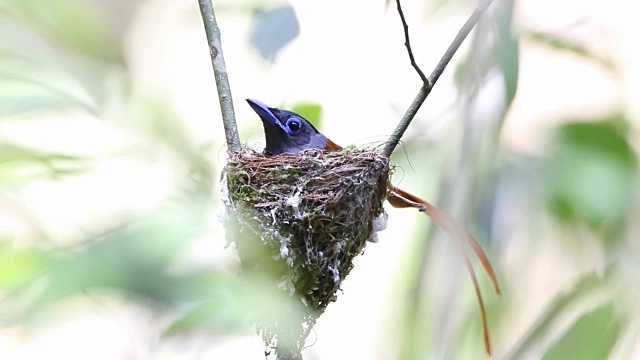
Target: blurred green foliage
62, 58
585, 181
591, 337
19, 267
65, 60
77, 25
558, 42
593, 174
20, 165
583, 289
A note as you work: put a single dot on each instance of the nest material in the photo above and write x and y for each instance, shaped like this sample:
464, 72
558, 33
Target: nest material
303, 218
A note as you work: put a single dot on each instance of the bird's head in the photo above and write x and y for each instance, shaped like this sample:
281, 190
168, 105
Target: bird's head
286, 131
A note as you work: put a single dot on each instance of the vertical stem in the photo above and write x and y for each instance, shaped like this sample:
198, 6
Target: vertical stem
220, 72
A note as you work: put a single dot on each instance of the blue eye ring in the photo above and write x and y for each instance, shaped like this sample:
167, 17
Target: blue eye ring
293, 126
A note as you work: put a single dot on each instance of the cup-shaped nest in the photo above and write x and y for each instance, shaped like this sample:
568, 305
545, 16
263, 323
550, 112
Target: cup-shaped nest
303, 218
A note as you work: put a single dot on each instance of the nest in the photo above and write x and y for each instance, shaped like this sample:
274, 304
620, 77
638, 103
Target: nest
303, 218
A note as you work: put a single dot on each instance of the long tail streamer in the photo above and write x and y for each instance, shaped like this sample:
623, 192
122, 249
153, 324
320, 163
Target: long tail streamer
401, 199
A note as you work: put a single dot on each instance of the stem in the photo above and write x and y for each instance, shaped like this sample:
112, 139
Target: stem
220, 73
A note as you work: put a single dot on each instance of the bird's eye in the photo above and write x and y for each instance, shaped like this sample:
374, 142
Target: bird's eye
293, 126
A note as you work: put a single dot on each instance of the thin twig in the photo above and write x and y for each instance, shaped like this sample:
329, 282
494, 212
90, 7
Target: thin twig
407, 43
220, 72
426, 87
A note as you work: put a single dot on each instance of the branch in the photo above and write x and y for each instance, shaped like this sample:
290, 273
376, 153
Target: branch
220, 73
427, 85
407, 43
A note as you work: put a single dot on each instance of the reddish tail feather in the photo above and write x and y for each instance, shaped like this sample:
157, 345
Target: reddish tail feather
401, 199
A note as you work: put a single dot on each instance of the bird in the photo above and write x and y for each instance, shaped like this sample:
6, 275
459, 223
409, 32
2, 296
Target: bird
288, 133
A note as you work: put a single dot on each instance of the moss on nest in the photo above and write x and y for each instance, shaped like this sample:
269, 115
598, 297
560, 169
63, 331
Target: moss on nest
302, 218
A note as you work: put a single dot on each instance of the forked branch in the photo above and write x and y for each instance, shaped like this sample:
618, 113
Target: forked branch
427, 84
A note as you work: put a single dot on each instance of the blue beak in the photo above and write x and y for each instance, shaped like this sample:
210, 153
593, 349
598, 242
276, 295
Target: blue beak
264, 112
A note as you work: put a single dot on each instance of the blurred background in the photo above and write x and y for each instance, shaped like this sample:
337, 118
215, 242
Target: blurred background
111, 148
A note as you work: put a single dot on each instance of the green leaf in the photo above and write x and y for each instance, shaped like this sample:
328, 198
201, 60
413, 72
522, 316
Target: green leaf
17, 98
556, 41
17, 153
310, 111
233, 303
586, 287
19, 267
133, 259
78, 24
208, 316
592, 173
508, 50
20, 165
27, 86
591, 337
